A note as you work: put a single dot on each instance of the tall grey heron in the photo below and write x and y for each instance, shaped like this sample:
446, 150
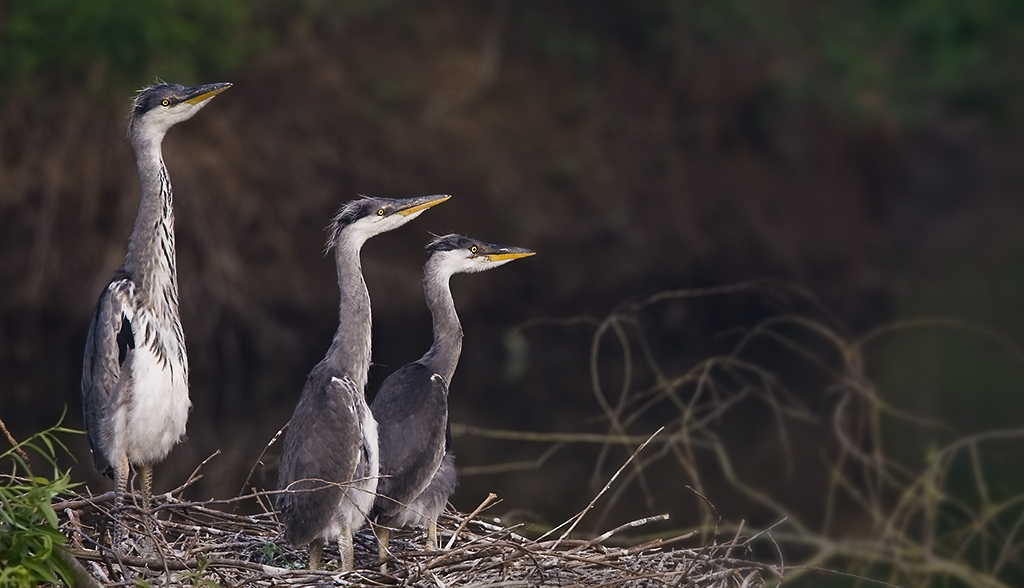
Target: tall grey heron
328, 473
135, 370
417, 470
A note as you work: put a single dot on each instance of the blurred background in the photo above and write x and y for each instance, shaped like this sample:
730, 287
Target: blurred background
856, 164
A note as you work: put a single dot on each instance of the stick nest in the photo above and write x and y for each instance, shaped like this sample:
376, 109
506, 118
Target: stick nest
204, 544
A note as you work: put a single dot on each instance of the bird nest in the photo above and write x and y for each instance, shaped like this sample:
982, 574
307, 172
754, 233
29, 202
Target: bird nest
206, 544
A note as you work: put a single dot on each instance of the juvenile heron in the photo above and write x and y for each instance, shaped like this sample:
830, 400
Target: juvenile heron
328, 473
417, 470
135, 369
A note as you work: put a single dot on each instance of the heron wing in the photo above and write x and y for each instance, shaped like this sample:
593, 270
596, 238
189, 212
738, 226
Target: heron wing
321, 450
107, 346
431, 502
411, 410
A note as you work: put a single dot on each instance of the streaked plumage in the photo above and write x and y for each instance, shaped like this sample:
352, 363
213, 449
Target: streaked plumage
328, 473
135, 369
411, 407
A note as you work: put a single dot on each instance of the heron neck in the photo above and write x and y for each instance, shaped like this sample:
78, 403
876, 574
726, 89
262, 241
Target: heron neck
443, 355
151, 251
350, 349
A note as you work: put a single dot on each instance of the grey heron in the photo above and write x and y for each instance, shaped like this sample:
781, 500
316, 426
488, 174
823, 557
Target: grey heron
328, 472
417, 470
135, 369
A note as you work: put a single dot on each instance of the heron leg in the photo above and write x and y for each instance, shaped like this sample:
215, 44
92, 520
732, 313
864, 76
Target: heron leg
432, 535
147, 486
316, 550
146, 472
383, 535
347, 551
120, 487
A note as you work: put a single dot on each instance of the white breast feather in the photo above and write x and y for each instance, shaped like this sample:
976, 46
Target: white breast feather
158, 409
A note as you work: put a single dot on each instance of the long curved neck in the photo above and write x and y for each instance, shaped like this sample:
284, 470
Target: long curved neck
443, 355
350, 349
151, 254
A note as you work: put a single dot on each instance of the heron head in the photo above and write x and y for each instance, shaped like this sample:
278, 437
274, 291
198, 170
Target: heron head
454, 254
365, 217
159, 107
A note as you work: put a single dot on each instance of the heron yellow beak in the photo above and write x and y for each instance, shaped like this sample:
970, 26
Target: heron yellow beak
513, 255
203, 93
427, 202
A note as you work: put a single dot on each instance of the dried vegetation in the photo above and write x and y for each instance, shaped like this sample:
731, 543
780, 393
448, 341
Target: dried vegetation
203, 543
951, 517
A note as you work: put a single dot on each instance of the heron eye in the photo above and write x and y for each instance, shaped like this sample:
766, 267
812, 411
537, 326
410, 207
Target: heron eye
165, 102
472, 249
380, 212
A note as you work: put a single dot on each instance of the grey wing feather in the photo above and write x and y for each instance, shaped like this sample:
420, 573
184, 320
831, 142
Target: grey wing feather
411, 410
107, 347
429, 505
320, 453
